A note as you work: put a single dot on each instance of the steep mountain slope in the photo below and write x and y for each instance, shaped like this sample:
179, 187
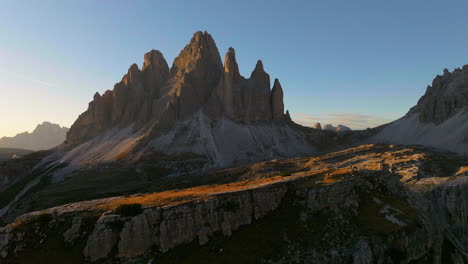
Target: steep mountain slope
370, 204
198, 106
440, 118
44, 136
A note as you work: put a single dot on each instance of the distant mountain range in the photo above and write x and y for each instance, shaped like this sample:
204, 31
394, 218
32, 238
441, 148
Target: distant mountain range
338, 128
44, 136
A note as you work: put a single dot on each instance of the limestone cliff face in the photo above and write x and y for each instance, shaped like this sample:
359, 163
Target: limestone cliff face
369, 204
447, 95
156, 97
277, 105
369, 218
439, 119
242, 100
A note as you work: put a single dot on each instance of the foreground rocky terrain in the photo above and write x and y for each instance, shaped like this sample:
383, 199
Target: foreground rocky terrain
44, 136
369, 204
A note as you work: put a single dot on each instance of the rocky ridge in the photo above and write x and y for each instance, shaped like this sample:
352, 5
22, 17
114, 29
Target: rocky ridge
440, 118
155, 98
369, 204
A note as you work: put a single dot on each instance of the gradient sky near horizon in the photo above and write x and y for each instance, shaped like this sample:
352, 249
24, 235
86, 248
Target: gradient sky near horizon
358, 63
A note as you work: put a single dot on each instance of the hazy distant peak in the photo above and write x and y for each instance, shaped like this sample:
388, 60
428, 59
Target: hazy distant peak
45, 136
338, 128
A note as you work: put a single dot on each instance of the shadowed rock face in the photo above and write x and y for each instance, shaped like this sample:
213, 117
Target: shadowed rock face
277, 105
447, 95
440, 118
156, 98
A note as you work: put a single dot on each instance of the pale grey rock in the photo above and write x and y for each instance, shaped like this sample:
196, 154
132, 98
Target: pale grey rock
135, 237
101, 241
362, 253
74, 231
342, 128
5, 237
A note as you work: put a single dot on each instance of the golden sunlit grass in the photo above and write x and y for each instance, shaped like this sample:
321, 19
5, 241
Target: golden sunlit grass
175, 197
322, 170
462, 170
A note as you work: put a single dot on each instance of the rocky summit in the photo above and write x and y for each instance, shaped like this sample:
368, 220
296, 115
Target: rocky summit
197, 106
440, 118
155, 98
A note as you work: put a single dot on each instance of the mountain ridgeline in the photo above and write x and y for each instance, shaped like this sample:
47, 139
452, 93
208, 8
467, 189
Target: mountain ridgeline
44, 136
439, 119
156, 97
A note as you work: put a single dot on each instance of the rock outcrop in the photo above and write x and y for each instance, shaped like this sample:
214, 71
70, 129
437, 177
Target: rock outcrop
444, 98
44, 136
277, 105
317, 126
440, 118
338, 128
155, 98
369, 204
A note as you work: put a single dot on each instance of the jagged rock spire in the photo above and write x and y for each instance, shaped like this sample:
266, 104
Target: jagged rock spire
157, 97
201, 54
155, 71
277, 105
258, 69
230, 64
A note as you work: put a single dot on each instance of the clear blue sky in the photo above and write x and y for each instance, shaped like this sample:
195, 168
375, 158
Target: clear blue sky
362, 61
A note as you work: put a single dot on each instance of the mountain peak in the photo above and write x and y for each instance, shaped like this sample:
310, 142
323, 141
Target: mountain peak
45, 135
230, 64
156, 97
444, 98
259, 66
277, 104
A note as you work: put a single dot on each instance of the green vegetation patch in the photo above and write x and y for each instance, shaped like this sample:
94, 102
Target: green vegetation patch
371, 221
